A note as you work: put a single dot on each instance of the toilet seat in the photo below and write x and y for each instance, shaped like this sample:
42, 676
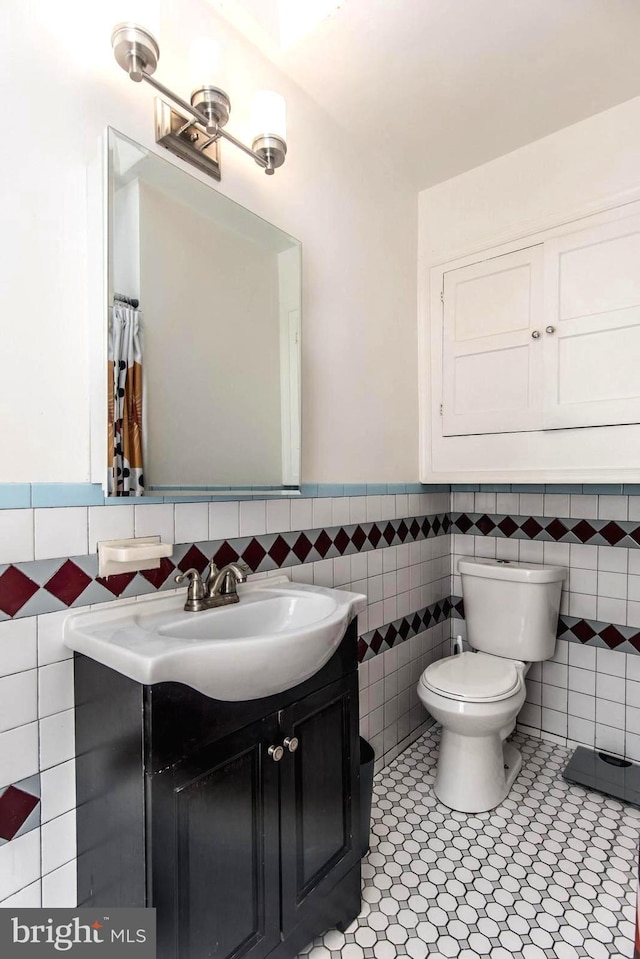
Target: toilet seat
473, 677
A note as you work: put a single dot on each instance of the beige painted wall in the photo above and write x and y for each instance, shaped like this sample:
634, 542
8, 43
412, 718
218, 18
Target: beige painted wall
357, 224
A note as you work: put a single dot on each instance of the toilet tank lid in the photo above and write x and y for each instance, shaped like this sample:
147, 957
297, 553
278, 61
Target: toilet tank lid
510, 571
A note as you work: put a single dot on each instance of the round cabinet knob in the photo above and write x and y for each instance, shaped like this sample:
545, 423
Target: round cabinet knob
276, 753
535, 335
291, 743
549, 329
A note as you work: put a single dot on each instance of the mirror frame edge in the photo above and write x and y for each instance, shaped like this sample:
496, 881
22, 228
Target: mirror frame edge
99, 203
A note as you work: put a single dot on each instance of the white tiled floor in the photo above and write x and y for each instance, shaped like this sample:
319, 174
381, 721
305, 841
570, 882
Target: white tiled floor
549, 874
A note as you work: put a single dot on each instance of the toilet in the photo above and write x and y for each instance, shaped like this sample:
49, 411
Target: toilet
511, 612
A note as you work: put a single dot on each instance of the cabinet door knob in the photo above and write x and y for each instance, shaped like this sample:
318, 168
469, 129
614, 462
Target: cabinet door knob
291, 743
549, 329
276, 753
535, 335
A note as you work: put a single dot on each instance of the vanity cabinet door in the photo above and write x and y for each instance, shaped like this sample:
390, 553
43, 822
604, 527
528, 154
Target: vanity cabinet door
215, 849
320, 801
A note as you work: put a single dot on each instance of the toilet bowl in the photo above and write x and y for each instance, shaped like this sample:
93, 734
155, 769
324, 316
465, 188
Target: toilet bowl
475, 698
511, 612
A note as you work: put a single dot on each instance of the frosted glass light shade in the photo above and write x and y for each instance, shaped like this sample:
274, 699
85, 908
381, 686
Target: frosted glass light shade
269, 115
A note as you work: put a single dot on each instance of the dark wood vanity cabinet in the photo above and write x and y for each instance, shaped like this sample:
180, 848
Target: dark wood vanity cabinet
183, 805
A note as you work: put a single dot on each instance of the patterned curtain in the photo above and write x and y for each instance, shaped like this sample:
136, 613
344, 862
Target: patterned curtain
125, 403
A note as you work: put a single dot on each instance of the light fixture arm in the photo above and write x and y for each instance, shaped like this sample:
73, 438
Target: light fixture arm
137, 52
183, 104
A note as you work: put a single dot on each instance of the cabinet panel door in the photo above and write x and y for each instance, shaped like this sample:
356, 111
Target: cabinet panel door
215, 862
491, 363
320, 800
592, 346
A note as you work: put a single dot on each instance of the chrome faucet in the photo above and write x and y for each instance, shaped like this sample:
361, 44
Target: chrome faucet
220, 588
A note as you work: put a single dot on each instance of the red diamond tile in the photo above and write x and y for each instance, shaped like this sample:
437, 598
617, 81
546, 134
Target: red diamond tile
635, 641
391, 634
159, 576
414, 529
436, 526
531, 527
15, 590
612, 533
226, 554
404, 628
116, 584
374, 534
403, 531
279, 551
463, 523
341, 541
68, 583
302, 547
426, 527
416, 623
485, 524
612, 636
323, 543
358, 537
583, 631
507, 526
362, 650
583, 530
556, 529
194, 558
15, 807
389, 534
376, 642
254, 554
635, 535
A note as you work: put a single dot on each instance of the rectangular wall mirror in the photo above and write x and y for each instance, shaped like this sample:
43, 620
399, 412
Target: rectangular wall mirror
218, 314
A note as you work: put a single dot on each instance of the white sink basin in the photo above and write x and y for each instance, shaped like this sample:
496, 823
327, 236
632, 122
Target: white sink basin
278, 635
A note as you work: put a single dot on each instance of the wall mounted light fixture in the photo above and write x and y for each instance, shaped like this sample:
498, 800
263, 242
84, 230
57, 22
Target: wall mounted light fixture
195, 137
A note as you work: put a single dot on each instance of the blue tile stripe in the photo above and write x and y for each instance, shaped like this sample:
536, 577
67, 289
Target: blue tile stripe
25, 495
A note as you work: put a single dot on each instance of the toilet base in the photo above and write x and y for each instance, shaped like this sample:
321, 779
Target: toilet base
475, 773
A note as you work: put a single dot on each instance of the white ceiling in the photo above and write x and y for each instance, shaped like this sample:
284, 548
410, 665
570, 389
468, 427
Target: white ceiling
440, 86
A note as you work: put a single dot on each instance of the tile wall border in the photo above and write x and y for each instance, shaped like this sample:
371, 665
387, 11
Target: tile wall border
50, 585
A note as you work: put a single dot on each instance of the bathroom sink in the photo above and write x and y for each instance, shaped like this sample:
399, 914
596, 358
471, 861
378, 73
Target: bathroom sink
277, 636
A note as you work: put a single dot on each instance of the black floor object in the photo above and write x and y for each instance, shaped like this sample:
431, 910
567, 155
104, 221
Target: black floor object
606, 774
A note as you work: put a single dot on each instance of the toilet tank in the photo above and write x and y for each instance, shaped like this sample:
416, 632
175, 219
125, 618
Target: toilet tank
511, 609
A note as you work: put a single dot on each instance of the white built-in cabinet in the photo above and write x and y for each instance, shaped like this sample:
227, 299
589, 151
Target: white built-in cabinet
545, 337
534, 339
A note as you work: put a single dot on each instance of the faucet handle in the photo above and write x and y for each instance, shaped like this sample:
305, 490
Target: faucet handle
195, 590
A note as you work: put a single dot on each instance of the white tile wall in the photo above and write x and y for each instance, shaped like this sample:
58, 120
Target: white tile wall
63, 531
391, 715
36, 669
16, 535
191, 522
595, 698
582, 695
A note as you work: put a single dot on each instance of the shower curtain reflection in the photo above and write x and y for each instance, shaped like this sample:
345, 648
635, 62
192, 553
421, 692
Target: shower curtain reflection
126, 476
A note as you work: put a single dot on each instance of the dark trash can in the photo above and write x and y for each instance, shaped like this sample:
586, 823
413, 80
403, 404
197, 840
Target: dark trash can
367, 759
